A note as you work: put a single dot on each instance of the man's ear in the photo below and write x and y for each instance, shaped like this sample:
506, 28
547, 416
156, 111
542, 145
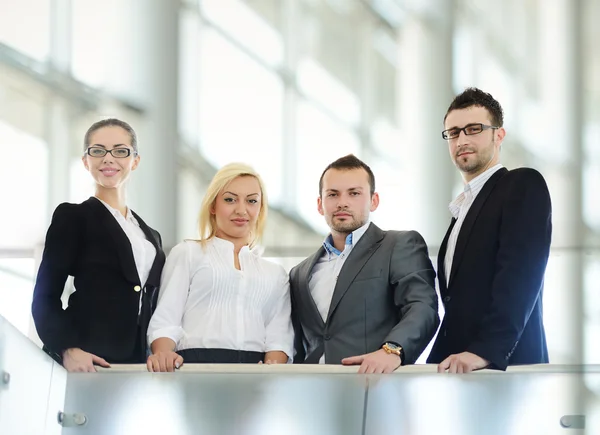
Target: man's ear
500, 134
320, 206
374, 201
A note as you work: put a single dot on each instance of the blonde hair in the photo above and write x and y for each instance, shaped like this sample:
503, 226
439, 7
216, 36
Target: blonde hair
225, 175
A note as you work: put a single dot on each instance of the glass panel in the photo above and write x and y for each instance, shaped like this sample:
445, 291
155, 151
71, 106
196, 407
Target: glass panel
212, 403
192, 190
389, 214
30, 401
100, 37
522, 403
81, 185
320, 141
189, 73
332, 35
247, 27
591, 298
318, 84
240, 111
591, 176
562, 314
247, 399
25, 26
16, 290
384, 82
269, 10
25, 228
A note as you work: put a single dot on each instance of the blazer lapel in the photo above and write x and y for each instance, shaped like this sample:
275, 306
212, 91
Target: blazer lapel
108, 221
156, 269
442, 258
467, 225
303, 276
361, 253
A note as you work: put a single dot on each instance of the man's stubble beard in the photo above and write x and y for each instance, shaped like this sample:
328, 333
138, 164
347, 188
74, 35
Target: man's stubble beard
347, 227
478, 164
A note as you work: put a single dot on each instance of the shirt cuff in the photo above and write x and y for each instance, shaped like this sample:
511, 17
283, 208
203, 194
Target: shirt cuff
173, 332
288, 350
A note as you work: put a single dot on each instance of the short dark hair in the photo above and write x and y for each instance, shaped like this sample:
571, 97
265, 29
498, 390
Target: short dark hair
476, 97
346, 163
110, 122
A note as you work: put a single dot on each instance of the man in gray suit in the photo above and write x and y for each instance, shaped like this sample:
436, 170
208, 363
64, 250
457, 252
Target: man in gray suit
366, 296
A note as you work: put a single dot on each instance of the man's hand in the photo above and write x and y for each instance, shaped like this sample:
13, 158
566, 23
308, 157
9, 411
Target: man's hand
375, 362
164, 361
77, 360
464, 362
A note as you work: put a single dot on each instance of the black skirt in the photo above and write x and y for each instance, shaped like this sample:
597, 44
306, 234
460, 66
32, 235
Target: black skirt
220, 356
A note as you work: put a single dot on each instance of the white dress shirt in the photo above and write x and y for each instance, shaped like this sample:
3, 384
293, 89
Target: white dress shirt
323, 278
459, 209
144, 251
205, 302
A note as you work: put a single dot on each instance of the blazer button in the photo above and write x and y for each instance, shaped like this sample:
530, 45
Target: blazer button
137, 288
327, 337
447, 299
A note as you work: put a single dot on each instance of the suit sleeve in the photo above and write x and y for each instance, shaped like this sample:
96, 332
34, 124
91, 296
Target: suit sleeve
525, 234
413, 281
59, 260
299, 353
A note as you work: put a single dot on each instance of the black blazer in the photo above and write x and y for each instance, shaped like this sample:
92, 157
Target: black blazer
493, 301
385, 292
86, 242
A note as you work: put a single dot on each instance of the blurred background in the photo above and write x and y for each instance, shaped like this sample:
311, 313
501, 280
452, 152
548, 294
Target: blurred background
289, 86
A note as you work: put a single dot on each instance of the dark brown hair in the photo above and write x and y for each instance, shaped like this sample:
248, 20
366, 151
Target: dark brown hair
349, 162
476, 97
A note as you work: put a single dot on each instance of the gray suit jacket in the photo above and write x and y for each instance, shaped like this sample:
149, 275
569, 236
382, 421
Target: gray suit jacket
385, 292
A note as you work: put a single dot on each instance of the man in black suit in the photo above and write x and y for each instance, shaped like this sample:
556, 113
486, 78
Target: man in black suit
366, 296
493, 258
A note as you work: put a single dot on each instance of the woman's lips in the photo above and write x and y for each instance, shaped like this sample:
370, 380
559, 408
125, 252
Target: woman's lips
109, 172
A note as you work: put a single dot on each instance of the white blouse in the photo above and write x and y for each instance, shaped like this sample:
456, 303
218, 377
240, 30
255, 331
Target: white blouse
205, 302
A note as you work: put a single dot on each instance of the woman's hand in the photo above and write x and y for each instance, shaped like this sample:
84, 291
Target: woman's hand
275, 357
77, 360
164, 361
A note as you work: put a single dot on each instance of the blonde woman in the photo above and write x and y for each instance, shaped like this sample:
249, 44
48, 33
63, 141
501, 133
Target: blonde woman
220, 302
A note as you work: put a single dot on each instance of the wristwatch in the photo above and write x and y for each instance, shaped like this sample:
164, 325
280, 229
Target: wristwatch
395, 349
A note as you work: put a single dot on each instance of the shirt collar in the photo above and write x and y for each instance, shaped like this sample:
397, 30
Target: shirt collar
351, 239
116, 213
476, 184
227, 246
472, 189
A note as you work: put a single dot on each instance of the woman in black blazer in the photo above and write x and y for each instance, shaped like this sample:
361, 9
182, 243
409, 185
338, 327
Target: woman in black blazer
115, 258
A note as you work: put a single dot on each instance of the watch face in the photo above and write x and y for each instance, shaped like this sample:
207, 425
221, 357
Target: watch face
392, 346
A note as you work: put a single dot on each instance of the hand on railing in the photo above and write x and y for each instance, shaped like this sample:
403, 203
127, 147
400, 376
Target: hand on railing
464, 362
375, 362
77, 360
164, 361
275, 357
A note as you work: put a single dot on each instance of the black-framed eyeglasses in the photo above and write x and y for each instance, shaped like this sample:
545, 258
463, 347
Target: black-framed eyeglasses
469, 130
119, 153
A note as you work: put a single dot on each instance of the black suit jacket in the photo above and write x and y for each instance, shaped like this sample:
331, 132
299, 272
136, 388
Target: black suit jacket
493, 300
385, 292
86, 242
